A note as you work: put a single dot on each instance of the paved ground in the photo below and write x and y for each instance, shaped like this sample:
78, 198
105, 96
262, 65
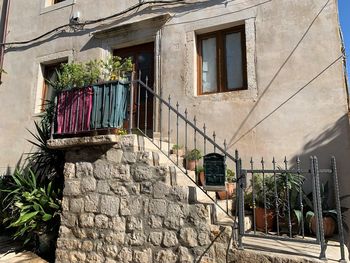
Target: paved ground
293, 250
10, 253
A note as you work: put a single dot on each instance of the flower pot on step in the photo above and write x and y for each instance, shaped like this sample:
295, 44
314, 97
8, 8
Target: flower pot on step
230, 191
260, 219
201, 178
179, 152
191, 164
329, 226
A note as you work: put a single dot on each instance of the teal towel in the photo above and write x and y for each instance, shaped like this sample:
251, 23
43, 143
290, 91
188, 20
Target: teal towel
109, 105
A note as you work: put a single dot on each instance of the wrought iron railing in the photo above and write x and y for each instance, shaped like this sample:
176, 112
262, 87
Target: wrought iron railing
170, 118
283, 175
280, 193
117, 105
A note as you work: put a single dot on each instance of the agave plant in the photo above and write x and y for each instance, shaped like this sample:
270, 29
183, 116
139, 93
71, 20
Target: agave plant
33, 208
45, 162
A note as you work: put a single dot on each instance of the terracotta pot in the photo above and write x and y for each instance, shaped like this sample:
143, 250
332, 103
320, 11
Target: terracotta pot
230, 188
329, 226
201, 178
260, 218
284, 225
191, 165
179, 152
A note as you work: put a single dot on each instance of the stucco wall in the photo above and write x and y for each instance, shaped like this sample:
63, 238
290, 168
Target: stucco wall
295, 104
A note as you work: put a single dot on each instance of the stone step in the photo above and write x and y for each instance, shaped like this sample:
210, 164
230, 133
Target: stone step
156, 145
218, 208
267, 250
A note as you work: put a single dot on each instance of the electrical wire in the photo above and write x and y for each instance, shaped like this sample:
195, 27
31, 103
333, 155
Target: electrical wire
90, 22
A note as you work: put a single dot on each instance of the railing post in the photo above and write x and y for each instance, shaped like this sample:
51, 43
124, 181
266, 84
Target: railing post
339, 215
240, 200
319, 210
131, 106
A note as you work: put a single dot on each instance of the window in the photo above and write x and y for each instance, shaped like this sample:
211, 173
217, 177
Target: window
50, 5
49, 75
56, 1
222, 61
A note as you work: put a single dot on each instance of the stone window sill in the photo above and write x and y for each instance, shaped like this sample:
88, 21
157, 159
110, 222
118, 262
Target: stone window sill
47, 9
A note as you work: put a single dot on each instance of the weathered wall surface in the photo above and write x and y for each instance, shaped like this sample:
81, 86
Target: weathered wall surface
296, 102
117, 208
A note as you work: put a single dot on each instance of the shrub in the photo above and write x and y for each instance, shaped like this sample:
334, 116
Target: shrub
193, 155
32, 208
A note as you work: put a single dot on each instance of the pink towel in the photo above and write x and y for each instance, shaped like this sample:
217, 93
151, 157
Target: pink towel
74, 110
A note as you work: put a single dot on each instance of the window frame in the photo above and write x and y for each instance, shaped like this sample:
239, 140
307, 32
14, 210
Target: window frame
57, 1
221, 75
47, 69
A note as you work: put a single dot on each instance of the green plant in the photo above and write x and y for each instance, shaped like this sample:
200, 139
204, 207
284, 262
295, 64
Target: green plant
78, 74
33, 208
230, 176
264, 187
115, 67
288, 185
193, 155
199, 169
122, 131
327, 211
177, 147
46, 163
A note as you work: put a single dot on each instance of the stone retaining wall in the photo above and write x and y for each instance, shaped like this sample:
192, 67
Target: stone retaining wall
118, 208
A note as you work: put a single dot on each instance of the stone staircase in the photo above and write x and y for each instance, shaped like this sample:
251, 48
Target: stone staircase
222, 212
132, 172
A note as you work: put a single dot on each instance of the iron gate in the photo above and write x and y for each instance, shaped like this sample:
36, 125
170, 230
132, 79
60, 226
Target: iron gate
279, 193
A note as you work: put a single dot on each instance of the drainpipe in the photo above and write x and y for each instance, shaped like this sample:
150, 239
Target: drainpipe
6, 8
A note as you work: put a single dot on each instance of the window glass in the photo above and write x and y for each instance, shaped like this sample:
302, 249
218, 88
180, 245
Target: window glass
58, 1
50, 76
209, 71
221, 55
234, 70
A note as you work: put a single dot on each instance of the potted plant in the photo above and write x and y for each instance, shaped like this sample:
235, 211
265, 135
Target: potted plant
264, 184
200, 175
329, 216
288, 185
177, 149
191, 159
230, 185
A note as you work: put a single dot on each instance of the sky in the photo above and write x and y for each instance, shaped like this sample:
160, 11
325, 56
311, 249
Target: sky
344, 16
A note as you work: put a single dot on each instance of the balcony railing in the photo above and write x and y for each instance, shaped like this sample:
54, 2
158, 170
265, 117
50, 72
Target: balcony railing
100, 107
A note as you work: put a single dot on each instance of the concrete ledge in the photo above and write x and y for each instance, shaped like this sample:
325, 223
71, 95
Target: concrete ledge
125, 140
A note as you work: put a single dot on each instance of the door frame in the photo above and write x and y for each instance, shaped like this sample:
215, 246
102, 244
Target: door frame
137, 50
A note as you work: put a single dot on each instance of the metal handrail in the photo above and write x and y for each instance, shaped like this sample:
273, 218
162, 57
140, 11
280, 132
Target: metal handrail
186, 120
140, 84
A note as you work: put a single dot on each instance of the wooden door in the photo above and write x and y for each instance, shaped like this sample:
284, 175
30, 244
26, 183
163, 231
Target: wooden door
143, 61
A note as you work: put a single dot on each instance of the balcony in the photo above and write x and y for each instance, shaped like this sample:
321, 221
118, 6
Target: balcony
96, 109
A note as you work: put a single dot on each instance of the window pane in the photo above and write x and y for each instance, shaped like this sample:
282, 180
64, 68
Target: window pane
234, 67
209, 80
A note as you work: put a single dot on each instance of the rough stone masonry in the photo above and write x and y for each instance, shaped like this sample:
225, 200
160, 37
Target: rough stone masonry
118, 208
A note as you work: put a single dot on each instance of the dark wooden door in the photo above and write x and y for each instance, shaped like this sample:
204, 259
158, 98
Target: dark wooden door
143, 61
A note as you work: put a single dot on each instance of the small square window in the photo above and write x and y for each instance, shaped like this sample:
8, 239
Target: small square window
222, 61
